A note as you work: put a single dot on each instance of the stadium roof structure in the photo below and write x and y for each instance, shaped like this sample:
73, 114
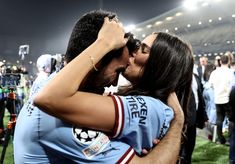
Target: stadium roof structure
210, 28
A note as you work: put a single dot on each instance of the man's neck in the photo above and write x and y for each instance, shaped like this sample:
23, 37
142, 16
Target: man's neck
224, 65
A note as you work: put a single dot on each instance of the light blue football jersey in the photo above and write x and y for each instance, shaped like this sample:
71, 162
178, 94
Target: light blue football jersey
41, 138
140, 120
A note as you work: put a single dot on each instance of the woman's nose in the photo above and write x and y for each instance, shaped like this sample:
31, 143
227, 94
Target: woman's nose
133, 54
131, 59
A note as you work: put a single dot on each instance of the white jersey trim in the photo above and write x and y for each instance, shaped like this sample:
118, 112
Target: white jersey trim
126, 158
119, 116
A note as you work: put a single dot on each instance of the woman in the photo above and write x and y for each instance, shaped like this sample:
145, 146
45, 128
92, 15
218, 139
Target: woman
162, 65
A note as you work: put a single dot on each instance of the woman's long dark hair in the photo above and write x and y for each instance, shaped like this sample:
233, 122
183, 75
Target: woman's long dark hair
168, 69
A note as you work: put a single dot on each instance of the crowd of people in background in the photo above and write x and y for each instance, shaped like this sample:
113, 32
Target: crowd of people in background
211, 102
16, 81
216, 118
14, 88
218, 79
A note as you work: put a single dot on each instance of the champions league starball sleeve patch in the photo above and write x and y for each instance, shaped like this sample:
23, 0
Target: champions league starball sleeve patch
93, 141
85, 136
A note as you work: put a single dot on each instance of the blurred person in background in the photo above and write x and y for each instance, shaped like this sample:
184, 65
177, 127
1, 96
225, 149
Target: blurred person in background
232, 119
44, 66
221, 81
196, 118
2, 104
232, 66
230, 57
201, 68
217, 61
208, 95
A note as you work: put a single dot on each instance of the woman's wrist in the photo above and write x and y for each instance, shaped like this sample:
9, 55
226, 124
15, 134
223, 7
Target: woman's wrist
101, 47
105, 44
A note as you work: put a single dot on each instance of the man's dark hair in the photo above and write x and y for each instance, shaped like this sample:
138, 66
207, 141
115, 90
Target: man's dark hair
133, 44
85, 32
224, 59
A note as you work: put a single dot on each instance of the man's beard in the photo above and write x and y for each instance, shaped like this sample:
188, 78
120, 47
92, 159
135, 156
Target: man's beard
94, 82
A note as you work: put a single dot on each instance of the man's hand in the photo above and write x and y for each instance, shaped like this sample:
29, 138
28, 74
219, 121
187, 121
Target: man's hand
145, 151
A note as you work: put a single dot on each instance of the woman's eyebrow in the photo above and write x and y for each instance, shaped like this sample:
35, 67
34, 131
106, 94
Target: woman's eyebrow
145, 45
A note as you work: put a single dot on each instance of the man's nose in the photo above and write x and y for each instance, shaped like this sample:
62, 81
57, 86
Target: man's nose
131, 58
133, 54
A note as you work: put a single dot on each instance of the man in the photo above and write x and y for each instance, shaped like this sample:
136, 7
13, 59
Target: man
232, 66
232, 119
44, 70
221, 81
203, 62
42, 138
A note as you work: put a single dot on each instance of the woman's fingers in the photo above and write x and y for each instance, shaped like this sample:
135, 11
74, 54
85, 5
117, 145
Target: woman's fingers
113, 33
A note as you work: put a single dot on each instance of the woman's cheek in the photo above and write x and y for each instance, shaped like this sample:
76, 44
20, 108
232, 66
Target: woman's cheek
141, 60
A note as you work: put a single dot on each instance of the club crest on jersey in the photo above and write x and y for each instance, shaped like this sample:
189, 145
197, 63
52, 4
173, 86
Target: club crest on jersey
84, 136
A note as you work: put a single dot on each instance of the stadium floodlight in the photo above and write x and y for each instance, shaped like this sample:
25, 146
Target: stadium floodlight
169, 18
194, 4
158, 23
139, 29
178, 14
149, 26
217, 0
205, 4
129, 28
190, 5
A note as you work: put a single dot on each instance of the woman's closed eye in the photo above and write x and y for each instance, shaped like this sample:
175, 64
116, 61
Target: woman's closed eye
145, 48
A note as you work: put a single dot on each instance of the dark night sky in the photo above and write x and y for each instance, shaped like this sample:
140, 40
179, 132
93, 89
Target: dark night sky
46, 24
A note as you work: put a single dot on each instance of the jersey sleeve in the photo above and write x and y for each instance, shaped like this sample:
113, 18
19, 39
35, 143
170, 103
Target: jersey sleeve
140, 119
